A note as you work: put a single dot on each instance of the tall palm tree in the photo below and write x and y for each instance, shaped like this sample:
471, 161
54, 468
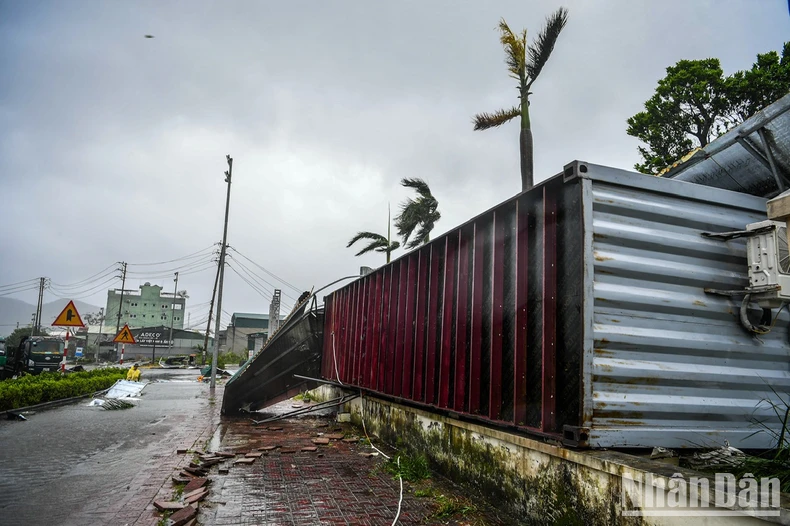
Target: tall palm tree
419, 214
378, 243
524, 62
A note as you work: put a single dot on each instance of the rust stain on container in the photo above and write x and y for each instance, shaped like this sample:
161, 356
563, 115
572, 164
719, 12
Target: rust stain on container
699, 303
599, 257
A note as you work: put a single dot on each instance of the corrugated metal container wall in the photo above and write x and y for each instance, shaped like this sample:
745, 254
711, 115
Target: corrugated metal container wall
575, 309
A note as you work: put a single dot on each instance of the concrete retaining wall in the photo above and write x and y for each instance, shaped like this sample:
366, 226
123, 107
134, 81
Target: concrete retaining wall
540, 482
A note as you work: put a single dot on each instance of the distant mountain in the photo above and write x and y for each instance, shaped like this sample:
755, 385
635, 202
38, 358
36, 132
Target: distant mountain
13, 311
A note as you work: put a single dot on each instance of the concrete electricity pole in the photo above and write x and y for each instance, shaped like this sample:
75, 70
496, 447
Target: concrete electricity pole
120, 306
210, 312
222, 252
98, 342
172, 315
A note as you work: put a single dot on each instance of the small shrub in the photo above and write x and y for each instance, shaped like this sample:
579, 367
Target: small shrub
449, 507
47, 387
412, 469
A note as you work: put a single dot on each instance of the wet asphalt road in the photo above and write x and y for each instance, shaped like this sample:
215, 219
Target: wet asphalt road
63, 465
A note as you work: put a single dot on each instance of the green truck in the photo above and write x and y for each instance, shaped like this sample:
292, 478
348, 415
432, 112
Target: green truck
33, 355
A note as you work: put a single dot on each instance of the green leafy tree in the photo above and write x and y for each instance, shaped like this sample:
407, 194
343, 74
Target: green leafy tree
695, 103
15, 337
767, 82
524, 62
419, 214
690, 107
376, 242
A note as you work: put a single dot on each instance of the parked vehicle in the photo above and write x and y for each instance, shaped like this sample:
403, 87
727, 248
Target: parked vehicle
33, 355
178, 362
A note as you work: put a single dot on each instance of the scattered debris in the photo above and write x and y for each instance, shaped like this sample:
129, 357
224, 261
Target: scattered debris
274, 428
196, 496
114, 404
267, 448
723, 457
310, 448
254, 454
15, 416
244, 460
195, 483
181, 451
344, 417
125, 389
163, 505
321, 441
179, 479
662, 452
335, 436
183, 516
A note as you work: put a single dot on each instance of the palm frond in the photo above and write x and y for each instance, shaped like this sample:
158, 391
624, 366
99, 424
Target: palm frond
540, 50
366, 235
419, 185
484, 121
373, 245
515, 53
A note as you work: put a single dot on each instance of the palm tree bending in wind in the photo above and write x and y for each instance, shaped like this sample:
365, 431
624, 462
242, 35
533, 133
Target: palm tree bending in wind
524, 62
419, 214
378, 243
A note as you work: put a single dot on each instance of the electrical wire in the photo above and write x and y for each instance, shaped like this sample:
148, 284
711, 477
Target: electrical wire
281, 280
194, 254
99, 275
258, 278
252, 286
20, 283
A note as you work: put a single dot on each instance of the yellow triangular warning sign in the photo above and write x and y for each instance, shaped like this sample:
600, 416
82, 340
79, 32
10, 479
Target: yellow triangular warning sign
125, 336
69, 317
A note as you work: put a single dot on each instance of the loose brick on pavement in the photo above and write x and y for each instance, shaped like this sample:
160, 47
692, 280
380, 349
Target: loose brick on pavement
344, 484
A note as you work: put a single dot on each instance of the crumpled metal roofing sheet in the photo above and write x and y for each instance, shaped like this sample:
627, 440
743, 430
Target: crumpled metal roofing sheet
728, 163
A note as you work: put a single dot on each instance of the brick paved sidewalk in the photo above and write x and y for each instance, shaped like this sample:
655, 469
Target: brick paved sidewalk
296, 481
154, 479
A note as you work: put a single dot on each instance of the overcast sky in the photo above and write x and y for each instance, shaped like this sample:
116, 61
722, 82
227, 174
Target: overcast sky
112, 146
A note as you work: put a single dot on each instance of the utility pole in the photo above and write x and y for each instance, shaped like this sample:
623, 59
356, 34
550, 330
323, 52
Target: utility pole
222, 252
39, 306
274, 312
120, 305
98, 342
172, 316
210, 312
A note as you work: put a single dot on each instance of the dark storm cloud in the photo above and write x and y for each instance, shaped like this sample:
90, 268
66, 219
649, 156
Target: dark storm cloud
112, 145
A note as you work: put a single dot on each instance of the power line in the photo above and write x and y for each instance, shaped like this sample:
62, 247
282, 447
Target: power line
194, 254
27, 281
252, 286
258, 279
99, 275
281, 280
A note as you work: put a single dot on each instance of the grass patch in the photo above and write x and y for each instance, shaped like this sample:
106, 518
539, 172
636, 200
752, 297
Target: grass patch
306, 397
47, 387
412, 469
449, 507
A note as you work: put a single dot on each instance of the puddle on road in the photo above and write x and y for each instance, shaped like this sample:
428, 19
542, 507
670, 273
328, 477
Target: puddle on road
216, 440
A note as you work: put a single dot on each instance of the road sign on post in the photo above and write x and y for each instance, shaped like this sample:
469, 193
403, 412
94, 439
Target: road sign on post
69, 317
125, 336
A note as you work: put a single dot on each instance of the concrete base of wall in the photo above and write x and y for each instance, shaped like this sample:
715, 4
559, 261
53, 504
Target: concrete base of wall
542, 483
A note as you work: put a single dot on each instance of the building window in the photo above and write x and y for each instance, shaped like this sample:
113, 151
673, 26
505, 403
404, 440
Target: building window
179, 306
